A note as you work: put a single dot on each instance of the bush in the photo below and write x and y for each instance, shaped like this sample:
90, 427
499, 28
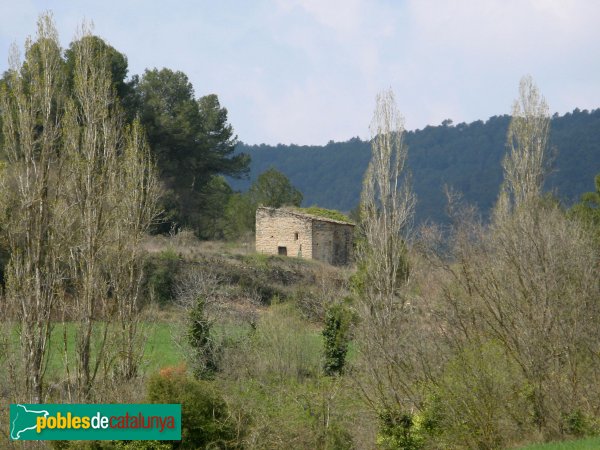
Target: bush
336, 338
283, 347
279, 348
578, 424
205, 418
199, 337
311, 414
161, 272
481, 400
399, 430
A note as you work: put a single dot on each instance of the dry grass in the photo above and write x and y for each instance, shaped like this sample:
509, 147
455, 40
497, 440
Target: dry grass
186, 245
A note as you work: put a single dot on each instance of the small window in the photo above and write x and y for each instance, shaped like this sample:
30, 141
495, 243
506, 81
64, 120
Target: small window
296, 236
282, 251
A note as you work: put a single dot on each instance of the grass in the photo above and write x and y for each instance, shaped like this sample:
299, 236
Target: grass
160, 348
584, 444
325, 213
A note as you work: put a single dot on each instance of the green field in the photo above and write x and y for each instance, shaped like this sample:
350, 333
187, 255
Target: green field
160, 348
584, 444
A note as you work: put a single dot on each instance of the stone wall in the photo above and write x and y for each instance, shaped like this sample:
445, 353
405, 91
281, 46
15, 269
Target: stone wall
343, 240
303, 236
322, 241
332, 242
277, 228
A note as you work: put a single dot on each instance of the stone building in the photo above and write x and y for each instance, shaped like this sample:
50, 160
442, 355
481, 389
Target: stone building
281, 231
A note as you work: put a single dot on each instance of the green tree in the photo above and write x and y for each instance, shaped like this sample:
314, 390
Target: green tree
218, 141
190, 139
211, 218
588, 210
271, 188
239, 216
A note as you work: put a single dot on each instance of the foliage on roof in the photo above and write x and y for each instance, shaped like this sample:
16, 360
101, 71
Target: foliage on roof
331, 214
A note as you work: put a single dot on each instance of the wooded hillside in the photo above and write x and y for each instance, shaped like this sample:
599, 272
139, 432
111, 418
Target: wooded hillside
464, 156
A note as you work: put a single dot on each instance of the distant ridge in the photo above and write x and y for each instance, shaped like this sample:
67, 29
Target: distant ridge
465, 156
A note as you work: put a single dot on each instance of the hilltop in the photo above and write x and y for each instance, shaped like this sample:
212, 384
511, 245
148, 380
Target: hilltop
464, 156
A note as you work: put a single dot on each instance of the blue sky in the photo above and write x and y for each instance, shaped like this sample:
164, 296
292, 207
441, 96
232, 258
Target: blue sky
307, 71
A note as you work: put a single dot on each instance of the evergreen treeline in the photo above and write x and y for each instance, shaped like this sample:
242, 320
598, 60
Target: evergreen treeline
466, 157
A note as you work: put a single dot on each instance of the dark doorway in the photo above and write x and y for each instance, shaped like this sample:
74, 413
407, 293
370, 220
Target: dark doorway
282, 251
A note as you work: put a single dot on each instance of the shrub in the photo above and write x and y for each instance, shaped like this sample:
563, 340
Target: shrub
399, 430
204, 414
309, 302
205, 356
315, 413
481, 399
336, 338
284, 347
161, 272
578, 424
278, 348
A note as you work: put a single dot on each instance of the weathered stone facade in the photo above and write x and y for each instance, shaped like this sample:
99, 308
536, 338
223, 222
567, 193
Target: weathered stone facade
293, 233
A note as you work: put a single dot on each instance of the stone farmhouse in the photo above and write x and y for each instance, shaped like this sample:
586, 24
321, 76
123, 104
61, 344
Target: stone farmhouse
289, 232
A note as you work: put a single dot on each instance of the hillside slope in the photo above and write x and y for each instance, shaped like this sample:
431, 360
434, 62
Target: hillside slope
465, 156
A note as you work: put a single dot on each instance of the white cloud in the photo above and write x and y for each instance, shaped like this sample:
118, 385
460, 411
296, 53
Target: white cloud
342, 16
308, 71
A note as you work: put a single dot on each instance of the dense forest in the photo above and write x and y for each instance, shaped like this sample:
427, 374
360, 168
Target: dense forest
466, 157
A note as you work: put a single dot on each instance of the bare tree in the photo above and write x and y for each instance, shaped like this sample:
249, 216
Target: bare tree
136, 196
528, 282
387, 202
112, 193
92, 137
31, 104
385, 332
78, 192
525, 165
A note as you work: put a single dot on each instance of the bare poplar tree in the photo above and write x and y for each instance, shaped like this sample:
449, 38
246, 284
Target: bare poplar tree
528, 283
136, 196
542, 303
78, 193
525, 165
91, 148
112, 192
387, 206
31, 106
387, 202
